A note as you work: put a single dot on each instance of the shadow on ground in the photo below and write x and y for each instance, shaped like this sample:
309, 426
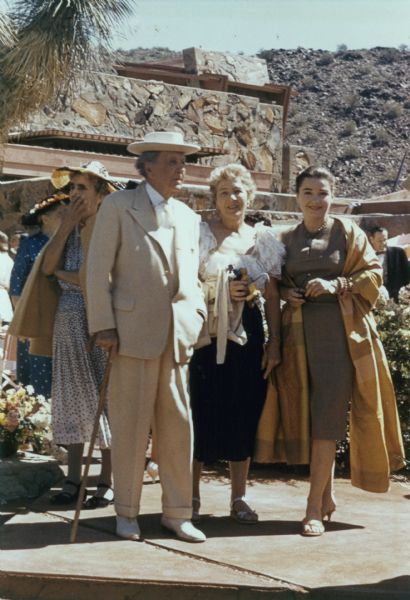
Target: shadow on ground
18, 536
390, 589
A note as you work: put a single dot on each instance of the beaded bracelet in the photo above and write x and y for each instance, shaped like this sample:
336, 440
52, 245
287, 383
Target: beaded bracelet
344, 284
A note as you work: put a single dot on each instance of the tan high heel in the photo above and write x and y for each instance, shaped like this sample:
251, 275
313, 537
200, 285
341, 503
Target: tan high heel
152, 470
327, 517
328, 512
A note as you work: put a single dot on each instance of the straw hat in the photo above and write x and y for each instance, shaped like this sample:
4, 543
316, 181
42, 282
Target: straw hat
60, 177
162, 141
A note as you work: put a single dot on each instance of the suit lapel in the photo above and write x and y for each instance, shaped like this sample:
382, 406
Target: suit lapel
142, 210
143, 213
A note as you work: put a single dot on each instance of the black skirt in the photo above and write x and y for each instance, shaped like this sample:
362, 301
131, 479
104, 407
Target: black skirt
227, 399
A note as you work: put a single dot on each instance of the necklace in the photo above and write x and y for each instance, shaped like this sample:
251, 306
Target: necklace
310, 236
313, 234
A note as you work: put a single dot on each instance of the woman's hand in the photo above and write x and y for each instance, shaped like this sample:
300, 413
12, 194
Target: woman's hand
68, 276
108, 340
238, 290
318, 287
75, 212
271, 356
293, 296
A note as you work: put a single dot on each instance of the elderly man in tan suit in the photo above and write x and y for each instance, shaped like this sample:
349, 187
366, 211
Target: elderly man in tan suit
146, 307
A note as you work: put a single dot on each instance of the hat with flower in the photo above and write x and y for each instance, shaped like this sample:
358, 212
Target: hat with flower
49, 202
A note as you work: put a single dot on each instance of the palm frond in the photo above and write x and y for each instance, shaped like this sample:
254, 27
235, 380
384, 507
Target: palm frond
7, 37
53, 38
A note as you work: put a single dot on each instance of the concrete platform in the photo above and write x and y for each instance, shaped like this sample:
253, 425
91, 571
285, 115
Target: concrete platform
364, 553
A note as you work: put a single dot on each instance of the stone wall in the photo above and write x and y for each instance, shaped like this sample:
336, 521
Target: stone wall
17, 197
241, 127
237, 67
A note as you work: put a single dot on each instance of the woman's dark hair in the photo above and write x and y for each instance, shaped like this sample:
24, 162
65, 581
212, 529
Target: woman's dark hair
317, 173
29, 220
34, 219
143, 159
101, 186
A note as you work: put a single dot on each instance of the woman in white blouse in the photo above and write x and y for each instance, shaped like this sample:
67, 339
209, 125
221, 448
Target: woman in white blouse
238, 265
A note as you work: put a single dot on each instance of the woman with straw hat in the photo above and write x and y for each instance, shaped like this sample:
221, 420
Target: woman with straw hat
78, 368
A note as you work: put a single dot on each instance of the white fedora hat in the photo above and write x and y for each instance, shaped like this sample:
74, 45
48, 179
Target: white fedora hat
162, 141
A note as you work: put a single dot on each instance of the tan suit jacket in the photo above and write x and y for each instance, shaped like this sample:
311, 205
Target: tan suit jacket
129, 284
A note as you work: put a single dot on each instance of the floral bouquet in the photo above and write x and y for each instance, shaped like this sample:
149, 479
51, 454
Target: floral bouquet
24, 421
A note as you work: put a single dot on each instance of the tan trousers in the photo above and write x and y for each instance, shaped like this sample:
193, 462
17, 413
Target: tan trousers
145, 393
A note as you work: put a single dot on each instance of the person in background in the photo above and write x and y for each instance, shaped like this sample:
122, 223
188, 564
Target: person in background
228, 367
6, 265
396, 266
14, 243
332, 355
43, 219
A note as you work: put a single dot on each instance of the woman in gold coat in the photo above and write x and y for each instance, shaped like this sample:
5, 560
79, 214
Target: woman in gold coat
332, 357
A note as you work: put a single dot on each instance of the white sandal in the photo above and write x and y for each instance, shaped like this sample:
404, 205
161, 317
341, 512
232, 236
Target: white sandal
246, 516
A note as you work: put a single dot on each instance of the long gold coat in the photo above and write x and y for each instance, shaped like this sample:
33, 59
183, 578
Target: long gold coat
376, 446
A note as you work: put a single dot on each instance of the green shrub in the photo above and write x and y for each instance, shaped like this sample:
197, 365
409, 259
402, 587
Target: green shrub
363, 70
380, 137
325, 59
349, 128
350, 151
387, 56
299, 119
308, 83
393, 323
392, 110
351, 101
389, 175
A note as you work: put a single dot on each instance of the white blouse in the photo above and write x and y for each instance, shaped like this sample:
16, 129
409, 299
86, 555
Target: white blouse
6, 266
255, 249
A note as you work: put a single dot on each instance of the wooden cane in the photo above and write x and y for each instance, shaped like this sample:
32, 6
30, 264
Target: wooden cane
100, 408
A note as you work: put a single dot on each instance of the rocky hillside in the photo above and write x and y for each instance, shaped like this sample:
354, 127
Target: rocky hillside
352, 107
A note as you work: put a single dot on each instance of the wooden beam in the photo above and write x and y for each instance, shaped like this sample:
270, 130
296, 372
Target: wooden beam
36, 161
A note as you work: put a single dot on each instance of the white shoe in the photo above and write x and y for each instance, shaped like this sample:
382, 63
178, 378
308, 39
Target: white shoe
183, 529
128, 528
152, 470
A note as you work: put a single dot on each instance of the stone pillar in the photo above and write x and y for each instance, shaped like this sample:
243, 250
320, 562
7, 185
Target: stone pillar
295, 160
